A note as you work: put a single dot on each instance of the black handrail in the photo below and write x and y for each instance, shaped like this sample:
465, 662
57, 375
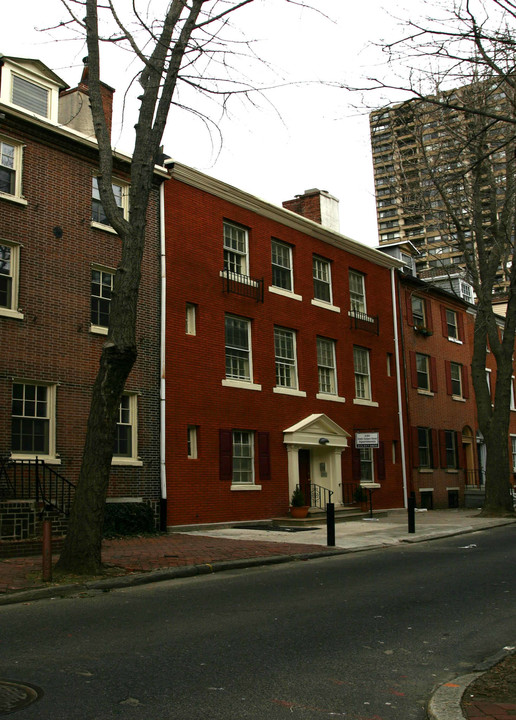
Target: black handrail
33, 479
242, 285
319, 496
361, 321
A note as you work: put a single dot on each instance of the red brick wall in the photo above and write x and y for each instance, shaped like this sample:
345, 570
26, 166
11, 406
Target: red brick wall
196, 364
53, 342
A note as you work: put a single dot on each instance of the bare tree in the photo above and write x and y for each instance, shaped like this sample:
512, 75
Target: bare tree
459, 74
186, 44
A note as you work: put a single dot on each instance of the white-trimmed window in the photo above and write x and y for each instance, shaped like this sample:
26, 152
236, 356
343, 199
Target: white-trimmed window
100, 299
236, 249
513, 452
11, 154
366, 465
424, 438
322, 279
285, 354
191, 319
362, 373
418, 311
326, 366
243, 457
33, 420
121, 194
452, 324
191, 441
238, 348
456, 379
357, 296
9, 279
125, 450
281, 258
451, 450
423, 371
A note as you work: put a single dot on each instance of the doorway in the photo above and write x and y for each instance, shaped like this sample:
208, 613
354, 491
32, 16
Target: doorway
304, 473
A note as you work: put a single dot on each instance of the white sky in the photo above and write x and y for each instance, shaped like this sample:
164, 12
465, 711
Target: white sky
310, 135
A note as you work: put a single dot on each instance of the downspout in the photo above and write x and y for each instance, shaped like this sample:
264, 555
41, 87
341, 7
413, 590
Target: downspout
162, 434
398, 382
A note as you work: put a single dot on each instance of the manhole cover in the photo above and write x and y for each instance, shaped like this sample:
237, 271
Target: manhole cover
15, 696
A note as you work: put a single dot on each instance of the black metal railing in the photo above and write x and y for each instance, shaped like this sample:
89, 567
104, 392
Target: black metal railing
475, 478
35, 480
349, 493
319, 496
242, 285
361, 321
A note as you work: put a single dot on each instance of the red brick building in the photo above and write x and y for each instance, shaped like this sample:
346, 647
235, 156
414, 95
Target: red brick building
57, 259
280, 355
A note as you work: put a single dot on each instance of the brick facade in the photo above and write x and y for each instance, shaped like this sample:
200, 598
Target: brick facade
198, 396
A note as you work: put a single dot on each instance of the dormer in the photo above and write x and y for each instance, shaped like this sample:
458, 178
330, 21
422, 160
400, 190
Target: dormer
30, 86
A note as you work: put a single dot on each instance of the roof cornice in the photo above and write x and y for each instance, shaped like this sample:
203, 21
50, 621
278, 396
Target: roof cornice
220, 189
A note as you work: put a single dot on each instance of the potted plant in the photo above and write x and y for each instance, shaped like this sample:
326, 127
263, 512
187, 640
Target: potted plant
361, 498
422, 330
298, 507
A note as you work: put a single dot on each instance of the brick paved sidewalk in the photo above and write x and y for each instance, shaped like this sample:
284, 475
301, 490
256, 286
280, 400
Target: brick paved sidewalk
142, 554
482, 710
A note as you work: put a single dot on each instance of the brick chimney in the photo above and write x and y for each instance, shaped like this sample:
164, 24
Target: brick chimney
74, 105
316, 205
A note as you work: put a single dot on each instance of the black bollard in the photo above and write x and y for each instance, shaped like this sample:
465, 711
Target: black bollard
411, 506
330, 524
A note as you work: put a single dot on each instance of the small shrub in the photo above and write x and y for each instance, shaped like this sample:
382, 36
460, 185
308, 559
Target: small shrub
128, 519
298, 498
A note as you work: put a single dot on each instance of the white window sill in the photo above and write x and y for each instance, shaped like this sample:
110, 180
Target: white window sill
124, 499
425, 470
327, 396
245, 487
361, 401
458, 398
242, 384
284, 293
101, 226
325, 305
452, 471
15, 314
13, 198
49, 459
127, 462
288, 391
455, 340
453, 488
98, 330
425, 392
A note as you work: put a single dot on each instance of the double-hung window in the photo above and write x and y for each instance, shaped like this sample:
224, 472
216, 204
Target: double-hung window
98, 214
322, 279
451, 323
366, 465
243, 457
362, 373
236, 243
456, 379
513, 452
9, 276
423, 371
418, 311
285, 353
326, 366
357, 295
125, 449
10, 168
281, 258
424, 438
238, 348
100, 299
451, 453
33, 420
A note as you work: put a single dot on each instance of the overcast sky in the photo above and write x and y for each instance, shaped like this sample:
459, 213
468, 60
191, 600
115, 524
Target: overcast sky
307, 136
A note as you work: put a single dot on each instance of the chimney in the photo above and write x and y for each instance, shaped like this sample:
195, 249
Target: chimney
316, 205
74, 105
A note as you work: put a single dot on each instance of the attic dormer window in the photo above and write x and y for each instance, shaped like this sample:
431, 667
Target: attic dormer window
29, 95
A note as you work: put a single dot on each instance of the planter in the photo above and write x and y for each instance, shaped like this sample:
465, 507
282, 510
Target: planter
299, 512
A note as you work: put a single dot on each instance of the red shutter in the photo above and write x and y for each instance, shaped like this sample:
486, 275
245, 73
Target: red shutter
460, 326
380, 457
460, 451
413, 368
435, 449
444, 324
465, 382
433, 374
226, 455
447, 370
355, 464
442, 447
264, 458
415, 447
410, 316
428, 315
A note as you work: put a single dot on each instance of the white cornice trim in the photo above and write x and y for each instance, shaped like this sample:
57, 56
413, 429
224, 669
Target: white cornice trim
199, 180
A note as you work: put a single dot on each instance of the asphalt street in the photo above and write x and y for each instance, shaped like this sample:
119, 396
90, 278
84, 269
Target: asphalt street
363, 636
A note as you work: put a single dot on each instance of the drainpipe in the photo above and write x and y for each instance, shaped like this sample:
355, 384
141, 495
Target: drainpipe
398, 382
162, 434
